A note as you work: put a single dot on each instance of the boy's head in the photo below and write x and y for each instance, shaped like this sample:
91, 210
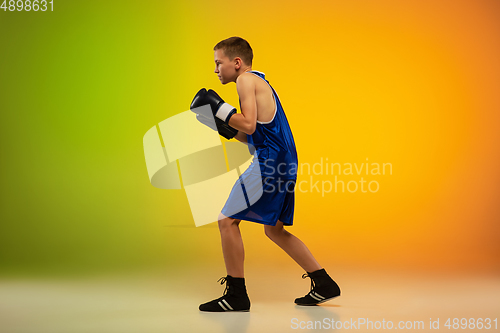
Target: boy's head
232, 56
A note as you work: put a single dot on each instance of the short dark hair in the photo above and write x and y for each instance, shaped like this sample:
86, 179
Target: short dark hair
236, 47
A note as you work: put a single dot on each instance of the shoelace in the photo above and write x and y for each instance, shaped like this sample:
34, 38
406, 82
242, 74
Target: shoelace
224, 280
312, 281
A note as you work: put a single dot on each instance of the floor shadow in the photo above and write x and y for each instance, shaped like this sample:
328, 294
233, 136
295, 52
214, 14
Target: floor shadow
230, 322
330, 305
211, 225
320, 316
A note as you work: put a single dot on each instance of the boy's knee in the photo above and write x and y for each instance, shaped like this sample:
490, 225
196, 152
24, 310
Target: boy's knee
273, 231
225, 221
268, 232
221, 217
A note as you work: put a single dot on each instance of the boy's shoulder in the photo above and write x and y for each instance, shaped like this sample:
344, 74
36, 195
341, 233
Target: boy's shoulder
246, 77
246, 82
252, 79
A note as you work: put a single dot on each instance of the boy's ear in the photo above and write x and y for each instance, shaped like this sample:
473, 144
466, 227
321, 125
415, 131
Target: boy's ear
237, 62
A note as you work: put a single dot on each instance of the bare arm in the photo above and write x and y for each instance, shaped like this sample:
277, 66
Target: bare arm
242, 137
246, 121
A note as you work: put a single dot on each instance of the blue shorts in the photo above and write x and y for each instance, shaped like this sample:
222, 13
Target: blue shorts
259, 198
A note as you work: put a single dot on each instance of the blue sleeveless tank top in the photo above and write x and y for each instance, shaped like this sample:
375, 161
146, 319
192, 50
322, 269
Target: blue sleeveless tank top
274, 143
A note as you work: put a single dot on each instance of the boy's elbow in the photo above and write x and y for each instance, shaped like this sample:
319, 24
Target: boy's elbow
251, 128
247, 126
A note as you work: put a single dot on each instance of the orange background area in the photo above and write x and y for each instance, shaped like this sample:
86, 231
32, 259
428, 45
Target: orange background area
414, 84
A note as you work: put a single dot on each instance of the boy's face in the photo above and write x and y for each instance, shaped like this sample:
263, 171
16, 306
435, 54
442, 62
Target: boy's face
225, 68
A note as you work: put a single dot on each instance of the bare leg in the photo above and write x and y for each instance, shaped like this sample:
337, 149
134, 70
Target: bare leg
293, 246
232, 245
235, 297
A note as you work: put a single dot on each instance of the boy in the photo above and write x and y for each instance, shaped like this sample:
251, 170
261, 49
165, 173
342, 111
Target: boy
262, 123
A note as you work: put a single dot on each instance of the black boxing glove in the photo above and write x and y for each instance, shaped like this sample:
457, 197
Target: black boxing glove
204, 116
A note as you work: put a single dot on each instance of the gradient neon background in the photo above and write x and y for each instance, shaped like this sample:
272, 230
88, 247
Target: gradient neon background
411, 83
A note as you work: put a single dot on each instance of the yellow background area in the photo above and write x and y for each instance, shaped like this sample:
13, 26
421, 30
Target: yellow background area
410, 83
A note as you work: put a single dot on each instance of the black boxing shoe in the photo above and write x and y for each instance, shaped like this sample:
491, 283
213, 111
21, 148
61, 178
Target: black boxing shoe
235, 297
323, 288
